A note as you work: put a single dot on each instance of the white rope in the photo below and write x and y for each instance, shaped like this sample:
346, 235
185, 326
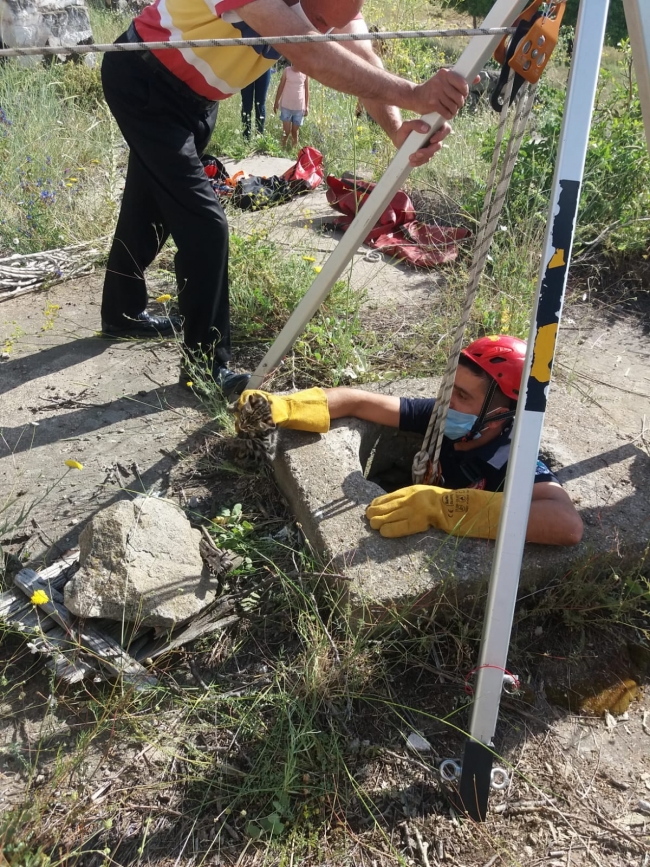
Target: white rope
26, 51
495, 196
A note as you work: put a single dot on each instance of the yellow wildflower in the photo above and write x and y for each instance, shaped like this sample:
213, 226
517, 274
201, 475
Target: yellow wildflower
189, 383
309, 258
69, 185
95, 162
162, 299
317, 269
73, 180
39, 597
74, 465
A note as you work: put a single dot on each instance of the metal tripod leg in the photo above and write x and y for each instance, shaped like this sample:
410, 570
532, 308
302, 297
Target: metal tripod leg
504, 581
637, 15
469, 64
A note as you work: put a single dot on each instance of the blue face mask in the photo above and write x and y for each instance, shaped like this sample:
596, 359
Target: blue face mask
459, 424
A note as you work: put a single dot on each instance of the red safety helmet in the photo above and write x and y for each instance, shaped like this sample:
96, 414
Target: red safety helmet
502, 358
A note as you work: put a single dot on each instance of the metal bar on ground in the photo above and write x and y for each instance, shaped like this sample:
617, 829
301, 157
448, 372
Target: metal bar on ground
108, 652
637, 16
504, 581
469, 64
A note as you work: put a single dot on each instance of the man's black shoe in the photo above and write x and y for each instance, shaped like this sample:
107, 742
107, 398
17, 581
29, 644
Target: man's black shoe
229, 383
143, 325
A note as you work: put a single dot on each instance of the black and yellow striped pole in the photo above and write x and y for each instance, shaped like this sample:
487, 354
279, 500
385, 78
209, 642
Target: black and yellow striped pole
476, 769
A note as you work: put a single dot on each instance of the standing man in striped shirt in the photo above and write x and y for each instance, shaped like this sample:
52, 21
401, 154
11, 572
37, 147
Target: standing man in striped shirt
165, 103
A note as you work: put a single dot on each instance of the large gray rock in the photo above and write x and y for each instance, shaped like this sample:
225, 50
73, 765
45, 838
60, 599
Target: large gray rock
605, 473
140, 562
44, 22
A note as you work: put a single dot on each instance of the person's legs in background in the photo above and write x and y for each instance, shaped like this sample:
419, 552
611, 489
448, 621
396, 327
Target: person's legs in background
286, 131
295, 133
261, 87
247, 109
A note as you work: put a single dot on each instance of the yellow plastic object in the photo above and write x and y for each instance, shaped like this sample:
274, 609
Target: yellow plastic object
465, 512
534, 50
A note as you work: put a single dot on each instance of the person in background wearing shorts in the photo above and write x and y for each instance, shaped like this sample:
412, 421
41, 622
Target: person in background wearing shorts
293, 100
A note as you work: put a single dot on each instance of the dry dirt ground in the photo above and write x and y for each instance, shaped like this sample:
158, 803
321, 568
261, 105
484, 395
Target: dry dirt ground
581, 785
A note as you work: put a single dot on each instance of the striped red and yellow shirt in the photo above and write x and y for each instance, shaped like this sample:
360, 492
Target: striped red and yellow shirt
215, 73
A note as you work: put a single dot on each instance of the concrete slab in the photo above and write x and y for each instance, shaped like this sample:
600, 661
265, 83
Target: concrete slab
606, 474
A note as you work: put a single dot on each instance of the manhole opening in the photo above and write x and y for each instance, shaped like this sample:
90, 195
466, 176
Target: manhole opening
386, 456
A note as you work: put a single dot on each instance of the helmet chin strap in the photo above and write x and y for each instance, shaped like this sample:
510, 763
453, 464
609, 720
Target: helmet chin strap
479, 424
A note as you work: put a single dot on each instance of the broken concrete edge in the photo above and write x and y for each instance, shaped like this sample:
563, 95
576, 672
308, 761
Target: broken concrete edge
322, 478
451, 595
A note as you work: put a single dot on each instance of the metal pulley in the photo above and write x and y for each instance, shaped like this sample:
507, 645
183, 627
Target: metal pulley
529, 48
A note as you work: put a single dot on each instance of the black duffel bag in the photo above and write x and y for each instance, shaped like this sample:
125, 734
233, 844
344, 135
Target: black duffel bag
255, 193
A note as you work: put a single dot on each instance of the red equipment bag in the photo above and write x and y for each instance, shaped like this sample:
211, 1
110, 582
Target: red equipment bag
397, 232
307, 173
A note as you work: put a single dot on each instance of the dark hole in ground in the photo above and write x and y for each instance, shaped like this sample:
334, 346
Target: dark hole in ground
386, 455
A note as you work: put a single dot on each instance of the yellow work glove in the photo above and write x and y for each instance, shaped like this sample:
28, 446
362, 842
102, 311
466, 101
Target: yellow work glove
465, 512
305, 410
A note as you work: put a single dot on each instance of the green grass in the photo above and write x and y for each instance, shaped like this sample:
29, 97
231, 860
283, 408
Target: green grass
285, 742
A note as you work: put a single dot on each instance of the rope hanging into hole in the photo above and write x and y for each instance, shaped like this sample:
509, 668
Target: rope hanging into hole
425, 462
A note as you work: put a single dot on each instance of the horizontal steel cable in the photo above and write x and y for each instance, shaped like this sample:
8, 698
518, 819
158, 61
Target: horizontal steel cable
26, 51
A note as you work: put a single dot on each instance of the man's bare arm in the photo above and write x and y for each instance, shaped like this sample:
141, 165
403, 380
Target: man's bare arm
353, 403
345, 71
553, 518
389, 117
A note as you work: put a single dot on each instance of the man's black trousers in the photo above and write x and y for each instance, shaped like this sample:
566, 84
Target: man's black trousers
167, 193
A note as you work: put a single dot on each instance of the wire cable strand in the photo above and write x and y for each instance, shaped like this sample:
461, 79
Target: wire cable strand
29, 50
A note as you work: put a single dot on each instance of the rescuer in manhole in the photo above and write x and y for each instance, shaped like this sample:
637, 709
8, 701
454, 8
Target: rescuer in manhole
465, 498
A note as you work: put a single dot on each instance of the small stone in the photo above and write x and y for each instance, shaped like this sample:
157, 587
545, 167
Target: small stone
418, 743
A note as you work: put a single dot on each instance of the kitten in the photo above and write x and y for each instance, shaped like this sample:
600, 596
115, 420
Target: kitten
257, 433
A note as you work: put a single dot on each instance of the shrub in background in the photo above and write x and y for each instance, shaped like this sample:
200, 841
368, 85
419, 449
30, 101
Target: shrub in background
616, 24
616, 191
